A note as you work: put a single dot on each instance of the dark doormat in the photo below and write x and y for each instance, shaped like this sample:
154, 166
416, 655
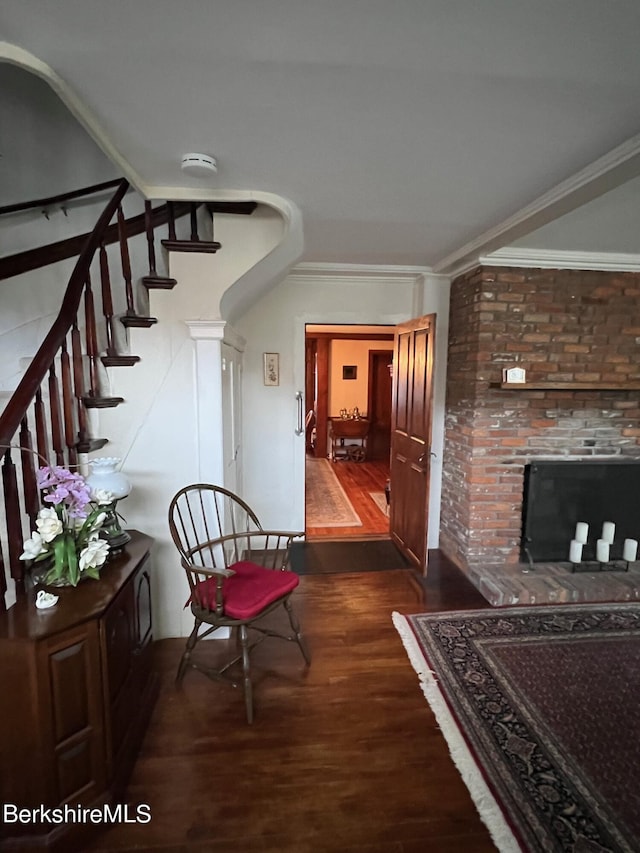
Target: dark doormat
326, 558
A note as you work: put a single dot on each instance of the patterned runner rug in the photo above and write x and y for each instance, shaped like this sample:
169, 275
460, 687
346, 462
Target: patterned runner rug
540, 709
326, 502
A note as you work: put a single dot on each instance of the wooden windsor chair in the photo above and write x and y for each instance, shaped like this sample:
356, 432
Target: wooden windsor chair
237, 572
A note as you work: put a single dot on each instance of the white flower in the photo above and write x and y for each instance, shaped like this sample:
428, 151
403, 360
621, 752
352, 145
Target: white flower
97, 523
93, 555
33, 547
48, 524
102, 497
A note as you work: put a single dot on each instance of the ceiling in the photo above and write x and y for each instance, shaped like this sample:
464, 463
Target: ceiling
414, 133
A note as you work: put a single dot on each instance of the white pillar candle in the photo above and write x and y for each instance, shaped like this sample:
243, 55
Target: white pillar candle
582, 532
630, 550
575, 551
608, 532
602, 551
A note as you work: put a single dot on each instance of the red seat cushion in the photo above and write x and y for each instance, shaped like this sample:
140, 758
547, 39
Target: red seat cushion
246, 593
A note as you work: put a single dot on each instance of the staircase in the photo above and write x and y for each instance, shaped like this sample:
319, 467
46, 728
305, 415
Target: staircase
48, 418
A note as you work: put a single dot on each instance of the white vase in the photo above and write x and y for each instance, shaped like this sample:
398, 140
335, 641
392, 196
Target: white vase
105, 476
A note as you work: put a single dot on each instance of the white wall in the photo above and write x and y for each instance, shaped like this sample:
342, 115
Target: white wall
274, 455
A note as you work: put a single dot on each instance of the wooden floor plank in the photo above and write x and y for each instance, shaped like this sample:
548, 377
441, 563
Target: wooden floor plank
342, 756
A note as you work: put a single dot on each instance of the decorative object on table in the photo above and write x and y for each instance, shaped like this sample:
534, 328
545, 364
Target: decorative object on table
538, 708
271, 368
45, 600
105, 479
66, 545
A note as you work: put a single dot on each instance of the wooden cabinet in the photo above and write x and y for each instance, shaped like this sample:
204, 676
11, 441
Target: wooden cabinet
77, 687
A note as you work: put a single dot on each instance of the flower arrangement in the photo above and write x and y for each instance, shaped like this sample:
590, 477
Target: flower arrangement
67, 531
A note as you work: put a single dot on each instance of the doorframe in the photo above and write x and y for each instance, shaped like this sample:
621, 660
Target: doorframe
323, 341
433, 298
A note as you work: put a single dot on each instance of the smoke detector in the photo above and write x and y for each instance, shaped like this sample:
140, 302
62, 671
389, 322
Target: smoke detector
199, 165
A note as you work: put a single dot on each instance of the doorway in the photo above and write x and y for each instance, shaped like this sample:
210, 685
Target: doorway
347, 378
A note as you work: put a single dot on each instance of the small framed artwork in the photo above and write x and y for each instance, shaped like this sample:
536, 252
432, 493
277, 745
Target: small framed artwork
271, 368
349, 371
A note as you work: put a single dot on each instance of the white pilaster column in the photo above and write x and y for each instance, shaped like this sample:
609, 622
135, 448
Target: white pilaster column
209, 336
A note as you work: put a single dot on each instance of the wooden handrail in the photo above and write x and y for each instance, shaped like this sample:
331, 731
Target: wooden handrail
59, 199
33, 259
39, 367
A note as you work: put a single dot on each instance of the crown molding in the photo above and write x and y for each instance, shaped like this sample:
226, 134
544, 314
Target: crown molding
363, 273
614, 168
541, 258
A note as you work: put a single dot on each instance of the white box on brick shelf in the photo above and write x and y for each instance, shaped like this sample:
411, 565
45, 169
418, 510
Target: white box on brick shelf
514, 375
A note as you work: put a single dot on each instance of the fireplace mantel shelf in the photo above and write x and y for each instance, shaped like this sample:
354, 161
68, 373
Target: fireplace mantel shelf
566, 386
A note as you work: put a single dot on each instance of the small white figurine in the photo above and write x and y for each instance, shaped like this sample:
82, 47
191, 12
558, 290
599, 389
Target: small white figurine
45, 599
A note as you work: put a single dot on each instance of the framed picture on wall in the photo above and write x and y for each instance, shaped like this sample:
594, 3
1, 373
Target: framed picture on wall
349, 371
271, 368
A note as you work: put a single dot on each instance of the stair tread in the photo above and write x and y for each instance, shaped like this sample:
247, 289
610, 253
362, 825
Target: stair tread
137, 321
119, 360
159, 282
204, 246
102, 402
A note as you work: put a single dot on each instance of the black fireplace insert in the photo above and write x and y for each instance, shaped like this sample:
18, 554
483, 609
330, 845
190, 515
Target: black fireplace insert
559, 494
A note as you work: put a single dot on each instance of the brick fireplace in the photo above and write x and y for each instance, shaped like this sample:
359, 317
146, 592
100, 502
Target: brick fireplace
573, 327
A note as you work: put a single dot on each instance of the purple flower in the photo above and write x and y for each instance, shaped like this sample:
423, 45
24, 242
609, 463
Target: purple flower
64, 487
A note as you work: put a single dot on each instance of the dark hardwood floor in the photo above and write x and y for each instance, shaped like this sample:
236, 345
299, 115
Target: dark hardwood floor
343, 756
358, 479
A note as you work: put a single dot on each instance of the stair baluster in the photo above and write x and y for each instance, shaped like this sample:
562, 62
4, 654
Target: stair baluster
171, 214
153, 280
107, 301
57, 440
131, 318
94, 398
41, 426
68, 410
112, 358
13, 517
91, 344
193, 214
126, 262
78, 388
3, 581
28, 462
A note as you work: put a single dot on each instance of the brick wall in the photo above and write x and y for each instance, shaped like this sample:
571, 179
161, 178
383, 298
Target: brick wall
560, 325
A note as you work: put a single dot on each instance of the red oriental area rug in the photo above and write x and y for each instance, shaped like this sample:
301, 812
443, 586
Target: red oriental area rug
540, 707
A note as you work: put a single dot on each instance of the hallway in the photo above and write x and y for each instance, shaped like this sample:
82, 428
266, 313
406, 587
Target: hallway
358, 479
